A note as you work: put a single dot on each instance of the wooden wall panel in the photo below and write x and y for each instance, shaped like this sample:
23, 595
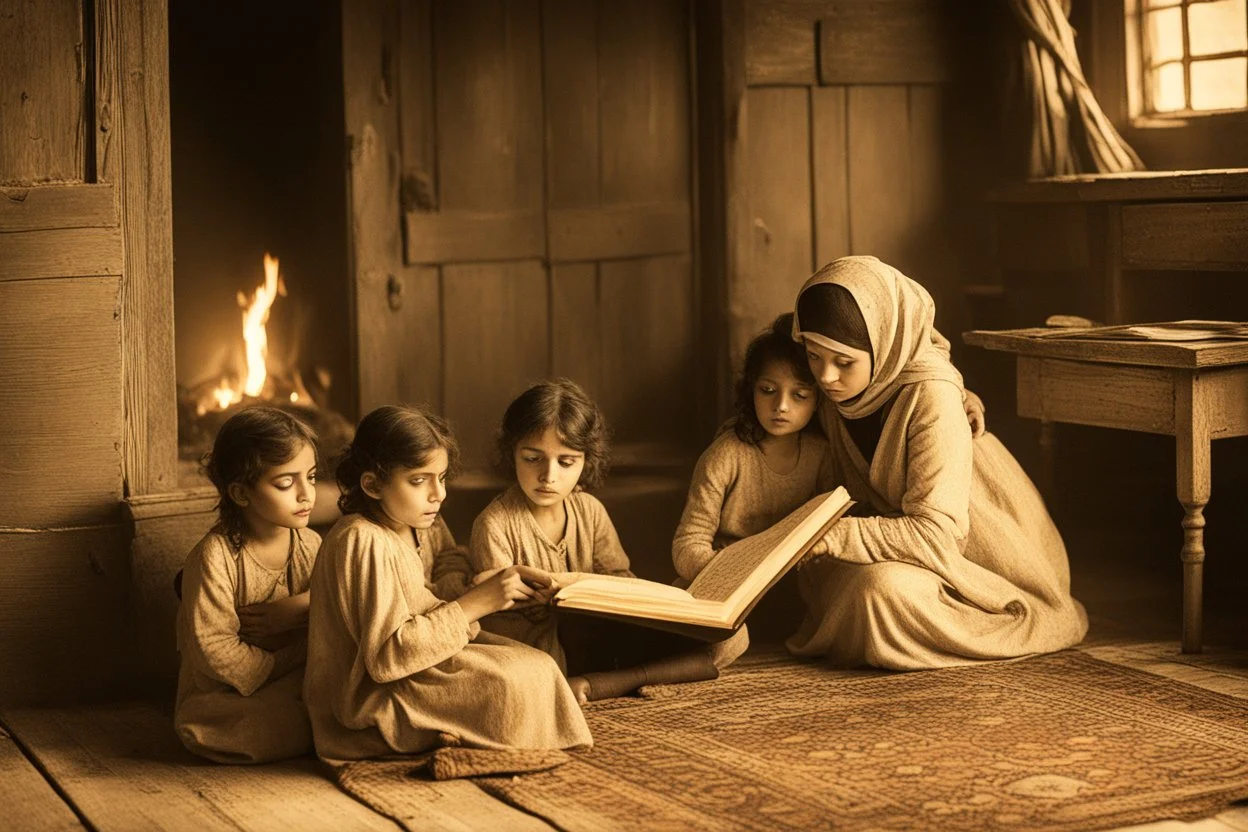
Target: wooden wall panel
417, 126
647, 338
830, 173
781, 233
70, 636
576, 318
570, 73
61, 402
400, 338
56, 253
879, 170
498, 346
43, 106
58, 206
643, 57
929, 252
489, 98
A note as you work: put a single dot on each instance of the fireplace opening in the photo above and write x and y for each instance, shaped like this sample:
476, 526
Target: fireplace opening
261, 275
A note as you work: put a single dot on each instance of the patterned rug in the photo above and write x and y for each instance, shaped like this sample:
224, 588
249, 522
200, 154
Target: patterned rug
1063, 742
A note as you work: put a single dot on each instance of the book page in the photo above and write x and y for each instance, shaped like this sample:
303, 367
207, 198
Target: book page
739, 572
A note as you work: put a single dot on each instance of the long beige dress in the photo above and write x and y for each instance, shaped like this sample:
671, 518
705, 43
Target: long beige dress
237, 703
505, 534
963, 562
393, 669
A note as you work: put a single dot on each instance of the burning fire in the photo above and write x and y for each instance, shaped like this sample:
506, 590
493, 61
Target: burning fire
255, 316
256, 348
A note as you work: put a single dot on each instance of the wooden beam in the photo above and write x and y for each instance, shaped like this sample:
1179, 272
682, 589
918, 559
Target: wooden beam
883, 42
151, 425
1192, 235
474, 236
56, 253
615, 231
58, 207
722, 199
779, 41
370, 31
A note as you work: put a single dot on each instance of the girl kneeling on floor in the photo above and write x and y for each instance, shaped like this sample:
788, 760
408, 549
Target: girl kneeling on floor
392, 667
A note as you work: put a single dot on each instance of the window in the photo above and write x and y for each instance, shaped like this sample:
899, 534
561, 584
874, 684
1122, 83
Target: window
1194, 56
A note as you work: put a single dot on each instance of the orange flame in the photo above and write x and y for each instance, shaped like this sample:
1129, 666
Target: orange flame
255, 316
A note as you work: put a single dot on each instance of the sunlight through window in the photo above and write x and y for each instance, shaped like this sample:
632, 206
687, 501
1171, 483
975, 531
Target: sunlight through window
1195, 55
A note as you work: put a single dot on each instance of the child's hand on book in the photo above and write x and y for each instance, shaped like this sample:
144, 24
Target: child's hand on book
503, 589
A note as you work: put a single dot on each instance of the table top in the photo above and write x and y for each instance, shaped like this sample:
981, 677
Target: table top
1178, 354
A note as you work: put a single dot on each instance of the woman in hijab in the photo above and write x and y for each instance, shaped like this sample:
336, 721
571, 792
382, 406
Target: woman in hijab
957, 559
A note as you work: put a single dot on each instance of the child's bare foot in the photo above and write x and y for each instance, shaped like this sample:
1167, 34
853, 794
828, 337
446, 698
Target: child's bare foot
580, 689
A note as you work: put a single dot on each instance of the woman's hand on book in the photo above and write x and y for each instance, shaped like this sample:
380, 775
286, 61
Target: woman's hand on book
503, 589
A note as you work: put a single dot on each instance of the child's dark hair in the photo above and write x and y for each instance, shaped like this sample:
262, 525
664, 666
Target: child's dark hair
251, 442
560, 404
389, 438
774, 344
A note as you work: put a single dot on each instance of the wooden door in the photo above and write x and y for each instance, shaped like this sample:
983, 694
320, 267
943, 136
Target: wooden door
520, 199
86, 331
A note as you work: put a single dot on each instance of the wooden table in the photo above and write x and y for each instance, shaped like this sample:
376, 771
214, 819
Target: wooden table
1195, 392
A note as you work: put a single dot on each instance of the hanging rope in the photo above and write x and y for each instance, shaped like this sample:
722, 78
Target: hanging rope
1070, 133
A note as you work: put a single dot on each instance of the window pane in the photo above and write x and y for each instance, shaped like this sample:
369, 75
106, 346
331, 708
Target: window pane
1168, 89
1165, 36
1220, 85
1217, 27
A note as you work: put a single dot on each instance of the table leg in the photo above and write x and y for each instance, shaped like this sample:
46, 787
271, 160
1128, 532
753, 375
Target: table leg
1192, 453
1048, 459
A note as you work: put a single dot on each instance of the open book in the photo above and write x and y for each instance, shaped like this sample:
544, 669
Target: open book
1163, 331
724, 592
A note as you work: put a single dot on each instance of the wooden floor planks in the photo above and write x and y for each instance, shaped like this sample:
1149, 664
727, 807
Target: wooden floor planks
27, 801
123, 769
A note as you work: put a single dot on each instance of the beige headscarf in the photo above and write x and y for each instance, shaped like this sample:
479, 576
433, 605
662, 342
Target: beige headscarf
899, 314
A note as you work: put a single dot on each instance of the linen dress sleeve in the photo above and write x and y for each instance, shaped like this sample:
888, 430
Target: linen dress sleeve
395, 640
693, 545
609, 557
489, 546
214, 647
935, 510
450, 573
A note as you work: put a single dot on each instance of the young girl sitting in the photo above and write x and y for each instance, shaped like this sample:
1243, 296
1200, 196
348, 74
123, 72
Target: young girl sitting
245, 596
767, 460
553, 445
395, 666
960, 562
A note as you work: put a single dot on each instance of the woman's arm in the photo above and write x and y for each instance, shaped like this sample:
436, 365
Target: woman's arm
935, 508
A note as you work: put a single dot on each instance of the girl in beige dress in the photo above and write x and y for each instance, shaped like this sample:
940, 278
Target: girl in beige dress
244, 607
397, 664
960, 561
553, 446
